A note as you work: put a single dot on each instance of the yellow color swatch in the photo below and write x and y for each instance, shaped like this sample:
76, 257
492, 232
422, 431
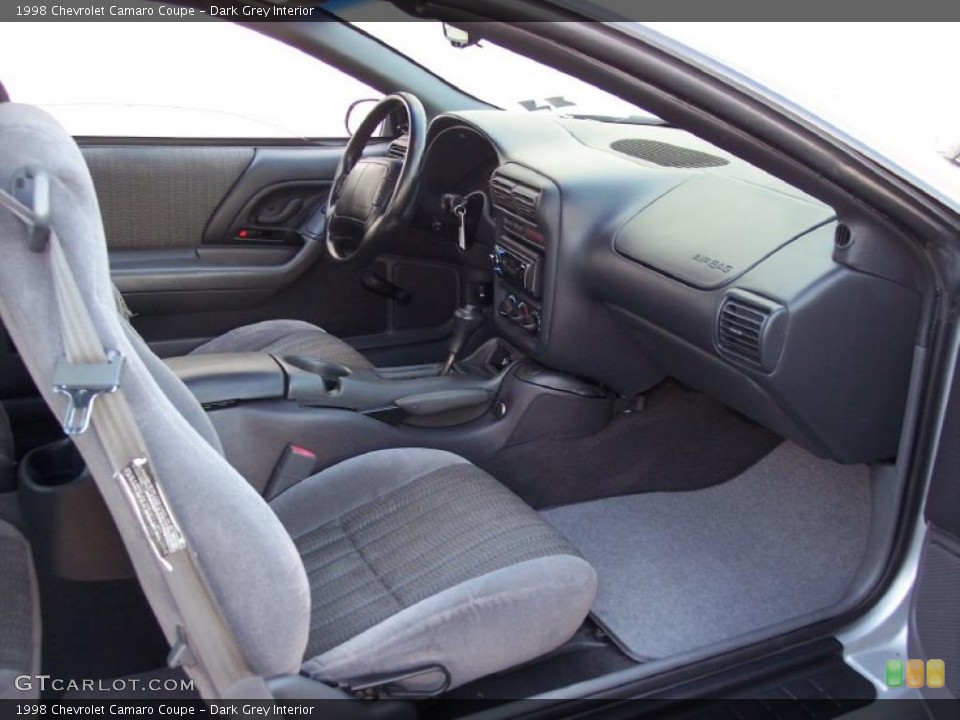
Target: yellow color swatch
915, 673
936, 673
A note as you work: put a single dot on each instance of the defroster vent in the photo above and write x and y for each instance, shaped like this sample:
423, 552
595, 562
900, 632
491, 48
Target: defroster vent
667, 155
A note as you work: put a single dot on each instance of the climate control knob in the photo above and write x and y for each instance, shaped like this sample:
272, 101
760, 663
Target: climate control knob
520, 313
507, 306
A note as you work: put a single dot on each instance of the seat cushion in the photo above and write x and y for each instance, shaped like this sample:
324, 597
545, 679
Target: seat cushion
416, 557
286, 337
19, 614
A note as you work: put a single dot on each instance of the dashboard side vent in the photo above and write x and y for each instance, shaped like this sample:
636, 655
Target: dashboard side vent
745, 329
398, 148
842, 236
515, 198
667, 155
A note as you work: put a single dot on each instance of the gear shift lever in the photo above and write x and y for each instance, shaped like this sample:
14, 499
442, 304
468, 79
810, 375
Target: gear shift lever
465, 321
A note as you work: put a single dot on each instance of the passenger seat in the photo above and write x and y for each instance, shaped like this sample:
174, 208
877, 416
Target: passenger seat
20, 598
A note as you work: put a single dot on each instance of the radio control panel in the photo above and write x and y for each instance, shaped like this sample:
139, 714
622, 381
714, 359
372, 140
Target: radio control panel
517, 266
518, 257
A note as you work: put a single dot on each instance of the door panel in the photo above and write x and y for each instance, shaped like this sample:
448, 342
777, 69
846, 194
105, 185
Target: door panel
204, 239
161, 197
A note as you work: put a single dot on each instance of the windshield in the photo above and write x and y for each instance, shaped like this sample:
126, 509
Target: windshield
883, 85
498, 76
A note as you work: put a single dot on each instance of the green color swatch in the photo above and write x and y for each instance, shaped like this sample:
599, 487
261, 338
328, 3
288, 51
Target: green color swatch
894, 673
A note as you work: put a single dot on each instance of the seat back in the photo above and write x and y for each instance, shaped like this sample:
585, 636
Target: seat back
248, 558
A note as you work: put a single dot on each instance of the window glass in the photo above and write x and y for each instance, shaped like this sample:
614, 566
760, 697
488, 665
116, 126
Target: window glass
169, 79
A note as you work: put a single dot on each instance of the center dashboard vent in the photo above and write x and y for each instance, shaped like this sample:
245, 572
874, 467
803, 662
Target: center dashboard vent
514, 197
667, 155
749, 329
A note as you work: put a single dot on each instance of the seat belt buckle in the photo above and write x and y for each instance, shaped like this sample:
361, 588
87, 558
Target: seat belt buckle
82, 383
296, 463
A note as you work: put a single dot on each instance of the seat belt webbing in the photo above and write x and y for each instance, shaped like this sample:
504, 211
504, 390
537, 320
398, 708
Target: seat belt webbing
209, 649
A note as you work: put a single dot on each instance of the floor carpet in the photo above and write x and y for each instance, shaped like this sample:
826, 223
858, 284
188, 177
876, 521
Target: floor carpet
683, 570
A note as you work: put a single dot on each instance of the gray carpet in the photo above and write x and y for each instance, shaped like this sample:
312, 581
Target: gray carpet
681, 440
682, 570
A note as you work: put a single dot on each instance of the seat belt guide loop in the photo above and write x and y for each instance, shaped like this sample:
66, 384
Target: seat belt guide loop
82, 383
31, 188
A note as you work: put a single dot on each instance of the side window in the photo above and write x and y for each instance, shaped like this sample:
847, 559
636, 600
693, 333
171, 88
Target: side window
167, 79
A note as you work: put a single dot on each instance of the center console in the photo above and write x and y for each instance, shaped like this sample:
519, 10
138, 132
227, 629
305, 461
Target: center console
393, 394
525, 209
493, 398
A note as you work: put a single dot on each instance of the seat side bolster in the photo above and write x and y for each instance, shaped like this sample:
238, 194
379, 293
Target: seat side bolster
478, 627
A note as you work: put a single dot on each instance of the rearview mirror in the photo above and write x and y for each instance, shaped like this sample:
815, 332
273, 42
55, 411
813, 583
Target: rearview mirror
457, 37
357, 113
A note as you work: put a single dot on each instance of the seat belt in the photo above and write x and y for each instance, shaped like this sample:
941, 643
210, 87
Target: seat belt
205, 645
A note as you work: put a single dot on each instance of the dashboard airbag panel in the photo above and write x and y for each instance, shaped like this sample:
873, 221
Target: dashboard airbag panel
712, 229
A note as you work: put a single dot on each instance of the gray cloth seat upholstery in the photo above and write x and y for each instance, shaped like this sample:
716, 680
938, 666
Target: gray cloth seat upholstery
384, 563
19, 614
286, 337
417, 557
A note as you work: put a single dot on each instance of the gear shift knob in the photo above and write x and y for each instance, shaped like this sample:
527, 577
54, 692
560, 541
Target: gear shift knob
465, 321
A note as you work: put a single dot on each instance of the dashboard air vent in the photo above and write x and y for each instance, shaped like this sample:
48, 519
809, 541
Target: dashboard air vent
667, 155
514, 197
842, 236
743, 329
398, 148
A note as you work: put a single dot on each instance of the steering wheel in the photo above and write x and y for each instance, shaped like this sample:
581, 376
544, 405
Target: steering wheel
373, 198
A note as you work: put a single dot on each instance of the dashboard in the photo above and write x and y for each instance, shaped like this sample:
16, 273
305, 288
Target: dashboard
627, 254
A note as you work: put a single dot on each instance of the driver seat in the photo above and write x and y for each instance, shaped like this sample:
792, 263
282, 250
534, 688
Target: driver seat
402, 568
286, 337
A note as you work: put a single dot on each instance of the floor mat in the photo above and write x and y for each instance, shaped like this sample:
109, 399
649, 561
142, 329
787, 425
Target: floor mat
681, 440
686, 569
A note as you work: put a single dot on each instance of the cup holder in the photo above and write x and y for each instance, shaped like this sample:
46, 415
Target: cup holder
71, 531
53, 465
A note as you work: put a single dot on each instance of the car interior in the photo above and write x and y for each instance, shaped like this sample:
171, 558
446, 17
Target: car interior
479, 404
